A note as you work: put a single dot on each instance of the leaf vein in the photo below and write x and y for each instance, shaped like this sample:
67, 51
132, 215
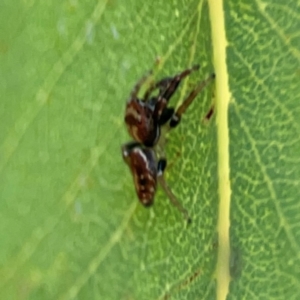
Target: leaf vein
283, 222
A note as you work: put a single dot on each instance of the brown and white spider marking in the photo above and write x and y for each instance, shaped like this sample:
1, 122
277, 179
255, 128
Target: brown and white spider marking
144, 118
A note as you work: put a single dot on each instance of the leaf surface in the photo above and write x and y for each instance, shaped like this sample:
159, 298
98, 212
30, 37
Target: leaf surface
71, 226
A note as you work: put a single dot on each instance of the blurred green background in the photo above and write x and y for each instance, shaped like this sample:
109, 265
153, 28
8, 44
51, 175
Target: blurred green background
71, 226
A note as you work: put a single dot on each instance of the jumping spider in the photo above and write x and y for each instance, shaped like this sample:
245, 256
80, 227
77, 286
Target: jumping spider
144, 119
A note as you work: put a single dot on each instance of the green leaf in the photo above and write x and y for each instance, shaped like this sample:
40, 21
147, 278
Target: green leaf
71, 225
263, 59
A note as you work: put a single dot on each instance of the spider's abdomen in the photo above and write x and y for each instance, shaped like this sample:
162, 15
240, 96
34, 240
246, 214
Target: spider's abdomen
142, 163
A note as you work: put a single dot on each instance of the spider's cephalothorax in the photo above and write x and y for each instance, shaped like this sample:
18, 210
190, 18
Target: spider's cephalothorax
144, 118
142, 122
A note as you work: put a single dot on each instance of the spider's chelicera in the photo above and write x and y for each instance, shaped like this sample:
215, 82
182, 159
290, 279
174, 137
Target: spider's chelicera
144, 118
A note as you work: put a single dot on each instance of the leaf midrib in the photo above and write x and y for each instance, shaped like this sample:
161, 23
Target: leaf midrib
222, 101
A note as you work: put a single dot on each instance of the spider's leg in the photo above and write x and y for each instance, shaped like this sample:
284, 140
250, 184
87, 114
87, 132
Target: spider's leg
162, 85
209, 113
162, 163
189, 99
160, 104
162, 114
166, 115
136, 88
169, 86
